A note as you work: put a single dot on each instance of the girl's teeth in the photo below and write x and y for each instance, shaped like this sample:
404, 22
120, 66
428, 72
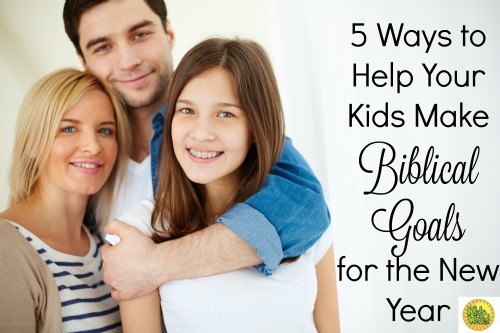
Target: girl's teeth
204, 154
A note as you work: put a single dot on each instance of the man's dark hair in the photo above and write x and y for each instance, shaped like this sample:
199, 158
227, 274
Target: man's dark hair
74, 9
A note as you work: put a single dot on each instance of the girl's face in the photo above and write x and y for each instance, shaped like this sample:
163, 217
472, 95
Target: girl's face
210, 131
84, 149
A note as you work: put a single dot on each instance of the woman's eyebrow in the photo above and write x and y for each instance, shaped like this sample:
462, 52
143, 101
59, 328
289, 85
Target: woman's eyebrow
70, 120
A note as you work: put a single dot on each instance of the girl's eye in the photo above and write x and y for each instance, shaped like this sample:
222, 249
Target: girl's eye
106, 131
186, 111
225, 114
68, 130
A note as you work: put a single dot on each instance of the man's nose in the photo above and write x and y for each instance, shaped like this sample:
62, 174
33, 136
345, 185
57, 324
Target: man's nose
128, 58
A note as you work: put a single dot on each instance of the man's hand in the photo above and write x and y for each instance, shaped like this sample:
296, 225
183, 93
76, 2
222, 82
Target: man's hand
129, 265
136, 265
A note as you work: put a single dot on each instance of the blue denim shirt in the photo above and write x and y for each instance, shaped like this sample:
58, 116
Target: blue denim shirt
284, 219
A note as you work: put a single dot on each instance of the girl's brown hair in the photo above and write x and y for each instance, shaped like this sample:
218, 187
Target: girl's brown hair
180, 206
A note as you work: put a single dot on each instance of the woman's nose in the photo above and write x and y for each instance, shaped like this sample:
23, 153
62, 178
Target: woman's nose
89, 143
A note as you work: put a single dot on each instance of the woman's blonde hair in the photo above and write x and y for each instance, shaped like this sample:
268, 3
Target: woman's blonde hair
37, 125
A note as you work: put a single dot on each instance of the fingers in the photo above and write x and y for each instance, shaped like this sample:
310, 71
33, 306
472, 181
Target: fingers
105, 247
116, 227
119, 296
104, 252
114, 294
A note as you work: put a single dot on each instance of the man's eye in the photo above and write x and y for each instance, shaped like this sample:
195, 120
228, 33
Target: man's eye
140, 35
101, 48
225, 114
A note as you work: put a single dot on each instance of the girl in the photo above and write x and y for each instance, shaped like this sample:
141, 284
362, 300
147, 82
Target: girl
70, 132
224, 131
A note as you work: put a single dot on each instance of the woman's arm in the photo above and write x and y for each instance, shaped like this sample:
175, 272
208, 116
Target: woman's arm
17, 307
326, 308
142, 314
29, 299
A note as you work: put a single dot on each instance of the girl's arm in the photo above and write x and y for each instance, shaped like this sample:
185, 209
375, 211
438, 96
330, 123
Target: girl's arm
142, 314
326, 308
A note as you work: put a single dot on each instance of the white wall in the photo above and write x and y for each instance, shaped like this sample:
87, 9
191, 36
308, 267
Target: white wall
309, 43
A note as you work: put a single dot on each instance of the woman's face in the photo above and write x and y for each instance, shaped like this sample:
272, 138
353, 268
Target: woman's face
84, 149
210, 131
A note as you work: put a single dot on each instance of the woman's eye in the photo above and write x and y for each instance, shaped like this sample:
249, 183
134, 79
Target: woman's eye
225, 114
68, 129
106, 131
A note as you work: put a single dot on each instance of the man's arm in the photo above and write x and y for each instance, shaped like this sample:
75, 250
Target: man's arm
136, 265
291, 206
284, 218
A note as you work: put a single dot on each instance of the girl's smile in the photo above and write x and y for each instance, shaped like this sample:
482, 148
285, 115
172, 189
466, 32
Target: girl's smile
210, 132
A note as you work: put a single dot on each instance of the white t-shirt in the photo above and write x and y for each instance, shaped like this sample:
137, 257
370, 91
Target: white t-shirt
243, 300
136, 187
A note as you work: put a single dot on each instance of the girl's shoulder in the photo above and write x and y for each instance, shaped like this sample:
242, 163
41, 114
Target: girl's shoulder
139, 216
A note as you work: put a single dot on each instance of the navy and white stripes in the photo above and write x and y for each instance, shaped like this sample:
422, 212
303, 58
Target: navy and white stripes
86, 302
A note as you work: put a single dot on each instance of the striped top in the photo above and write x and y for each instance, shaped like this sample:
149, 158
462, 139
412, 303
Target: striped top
86, 301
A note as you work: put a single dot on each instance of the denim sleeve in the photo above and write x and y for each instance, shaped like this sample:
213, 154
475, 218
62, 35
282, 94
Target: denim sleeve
286, 217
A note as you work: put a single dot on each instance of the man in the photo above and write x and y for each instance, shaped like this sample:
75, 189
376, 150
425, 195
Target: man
127, 45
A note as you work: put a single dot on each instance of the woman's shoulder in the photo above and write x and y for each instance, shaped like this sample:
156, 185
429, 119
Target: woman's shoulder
27, 287
18, 256
10, 238
15, 249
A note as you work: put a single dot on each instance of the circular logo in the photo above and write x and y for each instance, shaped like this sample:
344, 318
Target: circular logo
478, 315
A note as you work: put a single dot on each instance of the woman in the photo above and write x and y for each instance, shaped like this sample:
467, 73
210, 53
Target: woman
70, 132
224, 131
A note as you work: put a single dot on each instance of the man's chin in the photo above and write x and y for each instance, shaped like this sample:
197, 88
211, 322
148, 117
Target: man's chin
136, 102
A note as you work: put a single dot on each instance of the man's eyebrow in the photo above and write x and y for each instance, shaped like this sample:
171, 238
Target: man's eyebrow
141, 25
136, 26
95, 41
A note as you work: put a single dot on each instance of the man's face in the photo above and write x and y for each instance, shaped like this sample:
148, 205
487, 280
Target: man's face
126, 47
